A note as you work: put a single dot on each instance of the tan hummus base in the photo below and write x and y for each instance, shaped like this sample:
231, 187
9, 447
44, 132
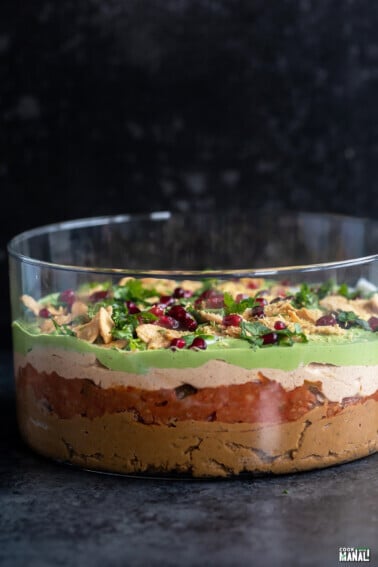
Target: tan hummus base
119, 444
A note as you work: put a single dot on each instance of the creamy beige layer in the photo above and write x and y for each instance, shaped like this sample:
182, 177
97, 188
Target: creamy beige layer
338, 382
117, 443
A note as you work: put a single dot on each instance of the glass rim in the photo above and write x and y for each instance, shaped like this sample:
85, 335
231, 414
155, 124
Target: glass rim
103, 220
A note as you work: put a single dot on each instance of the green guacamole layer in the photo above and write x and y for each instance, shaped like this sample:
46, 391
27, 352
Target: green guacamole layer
356, 347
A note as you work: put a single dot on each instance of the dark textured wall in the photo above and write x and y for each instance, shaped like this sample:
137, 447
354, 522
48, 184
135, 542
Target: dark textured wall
136, 105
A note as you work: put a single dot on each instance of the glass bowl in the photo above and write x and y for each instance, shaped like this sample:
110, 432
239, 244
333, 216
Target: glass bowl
198, 345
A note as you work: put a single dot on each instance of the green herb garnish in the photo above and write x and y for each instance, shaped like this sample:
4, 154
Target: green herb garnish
305, 297
63, 329
347, 319
133, 290
288, 338
232, 306
325, 289
253, 332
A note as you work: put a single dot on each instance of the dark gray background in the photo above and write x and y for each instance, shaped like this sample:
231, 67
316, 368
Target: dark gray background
138, 105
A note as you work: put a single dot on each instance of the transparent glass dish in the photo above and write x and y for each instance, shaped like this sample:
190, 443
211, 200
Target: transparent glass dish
199, 345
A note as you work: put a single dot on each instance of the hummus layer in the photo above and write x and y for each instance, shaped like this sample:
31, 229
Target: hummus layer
337, 382
264, 400
118, 443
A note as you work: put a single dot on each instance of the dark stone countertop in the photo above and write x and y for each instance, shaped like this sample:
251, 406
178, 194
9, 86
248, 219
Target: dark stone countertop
51, 514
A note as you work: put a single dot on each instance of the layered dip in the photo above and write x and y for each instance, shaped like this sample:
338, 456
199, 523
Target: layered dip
199, 377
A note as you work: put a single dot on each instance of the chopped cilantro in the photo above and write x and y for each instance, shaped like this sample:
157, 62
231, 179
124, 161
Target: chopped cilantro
123, 320
305, 297
133, 290
63, 329
347, 319
232, 306
253, 332
136, 344
288, 338
325, 289
126, 332
346, 292
310, 296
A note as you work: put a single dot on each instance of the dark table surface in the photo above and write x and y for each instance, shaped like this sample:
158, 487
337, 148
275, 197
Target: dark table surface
52, 514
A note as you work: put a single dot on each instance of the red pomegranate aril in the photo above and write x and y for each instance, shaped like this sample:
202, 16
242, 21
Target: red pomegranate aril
67, 296
199, 343
177, 343
177, 312
132, 308
167, 322
157, 310
186, 320
261, 301
252, 285
44, 313
232, 320
210, 299
373, 323
270, 338
179, 292
325, 320
166, 299
279, 325
98, 295
189, 323
258, 311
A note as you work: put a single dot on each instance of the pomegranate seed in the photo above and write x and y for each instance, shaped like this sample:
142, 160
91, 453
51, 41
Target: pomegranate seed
67, 296
157, 310
132, 308
45, 313
181, 292
199, 342
178, 312
270, 338
215, 302
189, 322
258, 311
177, 343
167, 322
232, 320
325, 320
279, 325
252, 285
166, 299
373, 322
186, 320
261, 301
98, 295
210, 299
